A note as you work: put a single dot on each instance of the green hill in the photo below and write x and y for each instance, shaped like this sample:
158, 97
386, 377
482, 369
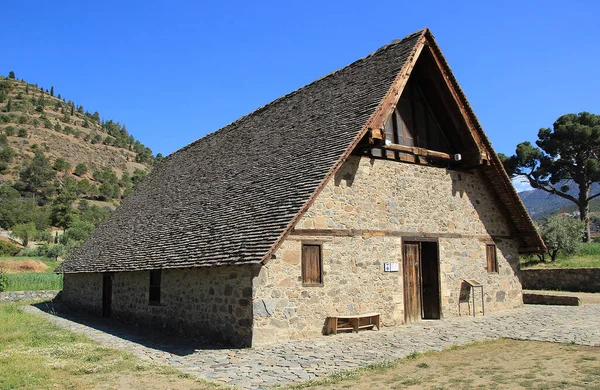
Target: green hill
60, 164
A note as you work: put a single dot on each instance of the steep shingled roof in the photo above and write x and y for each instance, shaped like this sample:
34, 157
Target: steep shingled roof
229, 197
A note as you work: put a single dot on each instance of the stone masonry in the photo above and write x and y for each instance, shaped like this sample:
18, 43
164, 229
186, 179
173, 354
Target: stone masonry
567, 279
376, 202
211, 303
379, 203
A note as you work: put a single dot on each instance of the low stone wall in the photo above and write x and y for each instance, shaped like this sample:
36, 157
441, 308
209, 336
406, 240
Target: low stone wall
545, 299
565, 279
14, 296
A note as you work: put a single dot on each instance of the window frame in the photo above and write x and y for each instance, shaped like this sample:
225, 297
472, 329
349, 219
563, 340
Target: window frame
491, 266
154, 287
302, 264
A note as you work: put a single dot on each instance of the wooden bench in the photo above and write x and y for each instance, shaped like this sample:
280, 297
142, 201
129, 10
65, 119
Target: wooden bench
354, 322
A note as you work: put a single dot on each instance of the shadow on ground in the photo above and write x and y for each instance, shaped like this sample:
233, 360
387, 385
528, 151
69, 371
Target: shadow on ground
164, 342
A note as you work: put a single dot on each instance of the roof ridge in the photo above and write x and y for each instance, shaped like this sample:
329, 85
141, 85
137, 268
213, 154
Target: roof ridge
393, 43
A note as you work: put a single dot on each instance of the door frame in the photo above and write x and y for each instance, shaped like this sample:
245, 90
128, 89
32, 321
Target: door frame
107, 293
419, 240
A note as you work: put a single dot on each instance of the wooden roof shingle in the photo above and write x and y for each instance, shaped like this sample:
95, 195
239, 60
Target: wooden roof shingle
230, 197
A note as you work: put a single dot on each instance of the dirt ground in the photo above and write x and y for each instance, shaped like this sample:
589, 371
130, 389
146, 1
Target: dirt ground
498, 364
22, 266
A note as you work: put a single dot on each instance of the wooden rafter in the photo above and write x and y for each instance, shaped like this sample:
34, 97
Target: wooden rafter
388, 104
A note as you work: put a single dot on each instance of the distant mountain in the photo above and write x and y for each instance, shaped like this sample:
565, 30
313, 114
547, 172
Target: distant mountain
541, 204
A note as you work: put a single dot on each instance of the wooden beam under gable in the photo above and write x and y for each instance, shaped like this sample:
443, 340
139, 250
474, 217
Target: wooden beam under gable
377, 122
483, 152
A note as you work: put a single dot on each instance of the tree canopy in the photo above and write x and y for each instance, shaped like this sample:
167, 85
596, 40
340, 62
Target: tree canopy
566, 156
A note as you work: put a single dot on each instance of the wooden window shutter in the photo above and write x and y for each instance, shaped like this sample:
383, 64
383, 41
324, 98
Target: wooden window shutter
312, 265
492, 262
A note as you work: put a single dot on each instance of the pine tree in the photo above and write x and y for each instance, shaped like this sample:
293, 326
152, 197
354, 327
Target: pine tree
52, 90
11, 75
63, 214
9, 105
27, 89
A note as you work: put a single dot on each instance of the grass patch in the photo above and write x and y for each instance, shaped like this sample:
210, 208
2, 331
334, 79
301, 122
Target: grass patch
36, 354
30, 273
29, 282
586, 256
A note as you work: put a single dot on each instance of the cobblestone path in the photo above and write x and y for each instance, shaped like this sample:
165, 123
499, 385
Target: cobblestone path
297, 361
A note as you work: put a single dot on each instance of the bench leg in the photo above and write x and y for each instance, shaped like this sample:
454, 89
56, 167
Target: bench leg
355, 322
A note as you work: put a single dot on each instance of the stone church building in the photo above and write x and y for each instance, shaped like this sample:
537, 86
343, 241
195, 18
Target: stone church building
372, 189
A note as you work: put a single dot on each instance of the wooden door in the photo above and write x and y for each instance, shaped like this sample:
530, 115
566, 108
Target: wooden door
412, 281
106, 294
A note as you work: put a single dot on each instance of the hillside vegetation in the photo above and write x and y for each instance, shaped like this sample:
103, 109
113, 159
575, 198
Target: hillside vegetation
61, 167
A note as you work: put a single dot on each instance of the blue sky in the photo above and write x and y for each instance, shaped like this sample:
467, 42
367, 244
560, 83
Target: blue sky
173, 71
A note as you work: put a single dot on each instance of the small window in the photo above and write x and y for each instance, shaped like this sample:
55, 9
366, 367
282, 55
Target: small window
155, 287
312, 265
492, 262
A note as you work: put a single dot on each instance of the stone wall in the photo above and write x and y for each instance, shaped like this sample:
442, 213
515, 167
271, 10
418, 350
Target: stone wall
373, 205
566, 279
211, 303
83, 292
15, 296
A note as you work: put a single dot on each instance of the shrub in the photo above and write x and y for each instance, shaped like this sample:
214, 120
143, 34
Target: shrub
25, 232
44, 236
61, 164
22, 132
81, 169
588, 249
3, 281
22, 120
78, 232
8, 249
9, 130
561, 234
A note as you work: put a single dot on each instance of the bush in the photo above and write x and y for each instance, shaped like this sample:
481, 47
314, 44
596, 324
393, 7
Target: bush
60, 164
561, 234
8, 249
81, 169
44, 250
9, 130
78, 232
3, 281
25, 232
44, 235
588, 249
22, 132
